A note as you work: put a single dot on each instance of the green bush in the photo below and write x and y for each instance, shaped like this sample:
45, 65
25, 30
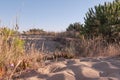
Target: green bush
11, 46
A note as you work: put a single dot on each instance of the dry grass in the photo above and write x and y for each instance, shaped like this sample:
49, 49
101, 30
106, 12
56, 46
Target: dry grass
89, 47
76, 48
97, 47
14, 59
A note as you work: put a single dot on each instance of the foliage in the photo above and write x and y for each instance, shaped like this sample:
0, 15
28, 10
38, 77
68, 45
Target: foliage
75, 30
104, 20
11, 47
75, 27
34, 31
41, 32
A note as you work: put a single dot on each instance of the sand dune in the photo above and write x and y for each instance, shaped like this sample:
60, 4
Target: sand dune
77, 69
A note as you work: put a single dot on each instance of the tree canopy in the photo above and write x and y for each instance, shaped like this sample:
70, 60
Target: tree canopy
104, 20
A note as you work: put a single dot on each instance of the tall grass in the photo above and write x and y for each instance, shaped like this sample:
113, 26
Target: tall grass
97, 47
89, 47
11, 49
12, 53
14, 58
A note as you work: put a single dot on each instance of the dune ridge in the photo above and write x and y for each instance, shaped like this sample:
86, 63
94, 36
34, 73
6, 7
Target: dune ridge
76, 69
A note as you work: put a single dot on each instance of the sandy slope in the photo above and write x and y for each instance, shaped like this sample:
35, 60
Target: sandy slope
77, 69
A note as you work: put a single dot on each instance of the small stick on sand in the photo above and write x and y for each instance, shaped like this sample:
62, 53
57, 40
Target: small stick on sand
14, 69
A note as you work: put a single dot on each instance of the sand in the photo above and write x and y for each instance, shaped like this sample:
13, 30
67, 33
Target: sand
76, 69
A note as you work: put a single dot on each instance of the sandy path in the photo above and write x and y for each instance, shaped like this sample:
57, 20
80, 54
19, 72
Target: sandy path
77, 69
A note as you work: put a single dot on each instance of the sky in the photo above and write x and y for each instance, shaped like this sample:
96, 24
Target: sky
49, 15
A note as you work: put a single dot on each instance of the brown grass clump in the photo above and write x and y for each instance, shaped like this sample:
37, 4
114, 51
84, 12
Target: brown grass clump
13, 58
11, 50
97, 47
89, 47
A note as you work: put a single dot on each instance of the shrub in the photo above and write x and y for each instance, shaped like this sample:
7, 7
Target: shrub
11, 48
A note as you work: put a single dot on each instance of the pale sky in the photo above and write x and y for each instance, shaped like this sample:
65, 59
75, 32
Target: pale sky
50, 15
